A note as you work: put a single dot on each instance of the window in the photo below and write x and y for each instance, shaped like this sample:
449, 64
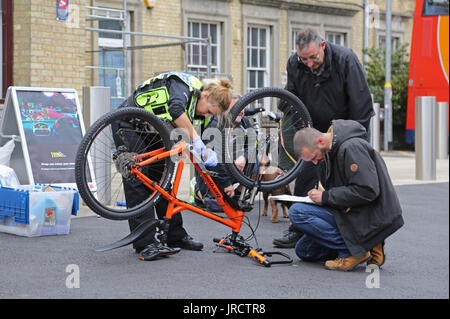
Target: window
338, 38
435, 7
257, 57
395, 42
197, 52
111, 61
335, 38
293, 40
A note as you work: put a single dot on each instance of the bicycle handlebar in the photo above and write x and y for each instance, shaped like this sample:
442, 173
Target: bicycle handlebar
273, 116
253, 111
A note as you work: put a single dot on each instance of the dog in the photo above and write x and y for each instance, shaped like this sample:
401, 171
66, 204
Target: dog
271, 174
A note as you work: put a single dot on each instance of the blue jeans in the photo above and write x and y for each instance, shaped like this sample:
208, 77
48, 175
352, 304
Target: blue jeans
322, 240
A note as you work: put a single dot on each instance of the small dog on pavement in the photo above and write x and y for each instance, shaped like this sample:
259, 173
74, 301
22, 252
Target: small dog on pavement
271, 174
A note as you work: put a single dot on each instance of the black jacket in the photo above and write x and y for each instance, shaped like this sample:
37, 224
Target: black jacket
339, 92
358, 186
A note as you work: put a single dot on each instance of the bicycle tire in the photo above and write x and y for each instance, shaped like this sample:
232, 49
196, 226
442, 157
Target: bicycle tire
96, 151
293, 107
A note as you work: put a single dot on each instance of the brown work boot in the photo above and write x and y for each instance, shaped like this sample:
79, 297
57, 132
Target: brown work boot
346, 264
378, 255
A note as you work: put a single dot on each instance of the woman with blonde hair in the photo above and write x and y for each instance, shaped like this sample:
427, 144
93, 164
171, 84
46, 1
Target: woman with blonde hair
178, 98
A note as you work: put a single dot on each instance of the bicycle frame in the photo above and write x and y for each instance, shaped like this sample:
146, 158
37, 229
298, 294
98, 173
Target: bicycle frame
234, 217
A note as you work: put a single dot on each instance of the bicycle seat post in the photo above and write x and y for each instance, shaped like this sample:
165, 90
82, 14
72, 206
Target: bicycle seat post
253, 195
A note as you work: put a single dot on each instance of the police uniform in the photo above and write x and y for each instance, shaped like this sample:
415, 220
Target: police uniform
168, 96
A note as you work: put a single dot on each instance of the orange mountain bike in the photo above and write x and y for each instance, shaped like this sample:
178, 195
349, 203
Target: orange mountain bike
131, 146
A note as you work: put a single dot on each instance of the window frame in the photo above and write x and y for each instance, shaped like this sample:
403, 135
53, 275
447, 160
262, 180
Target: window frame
396, 41
294, 33
202, 68
343, 36
267, 68
113, 42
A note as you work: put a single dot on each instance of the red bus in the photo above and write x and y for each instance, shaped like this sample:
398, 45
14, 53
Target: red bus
429, 58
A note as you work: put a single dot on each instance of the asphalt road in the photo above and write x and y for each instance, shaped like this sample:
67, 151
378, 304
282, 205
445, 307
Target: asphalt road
417, 263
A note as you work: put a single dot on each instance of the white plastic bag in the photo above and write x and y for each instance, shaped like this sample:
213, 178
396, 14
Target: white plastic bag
8, 177
5, 152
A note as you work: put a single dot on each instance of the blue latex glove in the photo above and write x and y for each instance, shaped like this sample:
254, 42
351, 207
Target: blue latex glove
211, 159
199, 146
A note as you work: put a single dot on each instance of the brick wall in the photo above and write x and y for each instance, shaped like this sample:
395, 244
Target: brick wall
50, 53
47, 52
237, 48
165, 18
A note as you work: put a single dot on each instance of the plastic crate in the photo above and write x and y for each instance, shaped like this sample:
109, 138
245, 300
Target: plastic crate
30, 211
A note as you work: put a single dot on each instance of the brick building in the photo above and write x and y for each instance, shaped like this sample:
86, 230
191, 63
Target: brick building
251, 40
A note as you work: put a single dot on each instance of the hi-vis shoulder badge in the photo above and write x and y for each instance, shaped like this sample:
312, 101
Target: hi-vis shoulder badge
353, 167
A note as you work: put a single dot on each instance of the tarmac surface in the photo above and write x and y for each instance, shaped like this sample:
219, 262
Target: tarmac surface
417, 264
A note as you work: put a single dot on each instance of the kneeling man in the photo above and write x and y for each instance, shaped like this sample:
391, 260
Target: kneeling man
358, 209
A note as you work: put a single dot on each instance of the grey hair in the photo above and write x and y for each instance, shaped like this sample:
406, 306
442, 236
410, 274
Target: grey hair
306, 36
306, 137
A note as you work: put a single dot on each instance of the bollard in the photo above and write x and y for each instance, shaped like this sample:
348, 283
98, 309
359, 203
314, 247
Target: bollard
96, 102
375, 128
425, 146
442, 130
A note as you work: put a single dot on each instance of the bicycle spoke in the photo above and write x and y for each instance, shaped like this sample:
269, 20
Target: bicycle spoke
108, 151
268, 143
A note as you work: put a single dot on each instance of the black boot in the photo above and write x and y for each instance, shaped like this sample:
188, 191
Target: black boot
289, 239
187, 242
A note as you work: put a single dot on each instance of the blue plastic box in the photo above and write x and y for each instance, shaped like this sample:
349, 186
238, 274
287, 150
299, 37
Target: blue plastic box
30, 211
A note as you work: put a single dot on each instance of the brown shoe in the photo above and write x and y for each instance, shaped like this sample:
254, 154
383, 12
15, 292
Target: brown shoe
346, 264
378, 255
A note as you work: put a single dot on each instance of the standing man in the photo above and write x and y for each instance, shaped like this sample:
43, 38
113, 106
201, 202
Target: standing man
330, 81
359, 208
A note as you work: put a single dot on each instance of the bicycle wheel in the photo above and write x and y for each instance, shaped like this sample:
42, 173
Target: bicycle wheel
106, 151
269, 139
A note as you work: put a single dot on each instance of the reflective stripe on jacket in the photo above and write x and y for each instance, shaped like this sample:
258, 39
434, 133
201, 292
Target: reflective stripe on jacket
153, 94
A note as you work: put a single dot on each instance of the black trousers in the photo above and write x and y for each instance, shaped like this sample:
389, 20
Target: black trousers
136, 192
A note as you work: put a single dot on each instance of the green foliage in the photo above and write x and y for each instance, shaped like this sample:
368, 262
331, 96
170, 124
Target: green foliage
399, 79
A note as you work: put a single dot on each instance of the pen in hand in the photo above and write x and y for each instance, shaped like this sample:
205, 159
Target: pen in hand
316, 195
